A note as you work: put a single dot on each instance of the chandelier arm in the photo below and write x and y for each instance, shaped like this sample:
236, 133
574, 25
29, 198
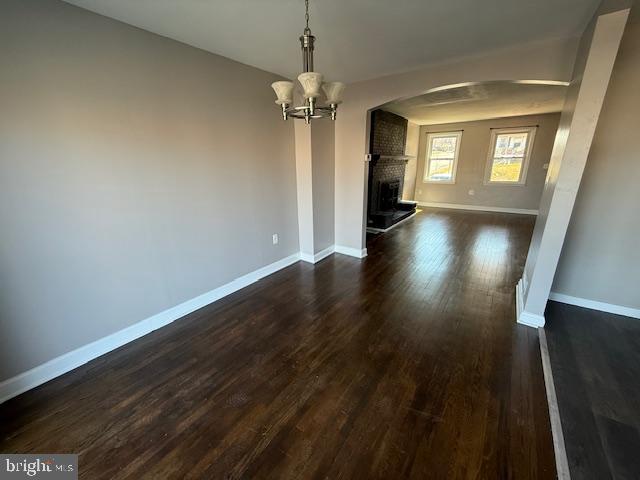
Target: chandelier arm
303, 108
301, 115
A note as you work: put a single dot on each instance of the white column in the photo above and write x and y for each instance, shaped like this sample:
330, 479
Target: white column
594, 63
304, 183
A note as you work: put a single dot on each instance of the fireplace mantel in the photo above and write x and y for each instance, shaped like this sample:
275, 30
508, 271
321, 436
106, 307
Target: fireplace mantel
374, 157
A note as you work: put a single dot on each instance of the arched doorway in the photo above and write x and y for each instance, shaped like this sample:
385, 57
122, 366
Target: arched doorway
551, 60
453, 108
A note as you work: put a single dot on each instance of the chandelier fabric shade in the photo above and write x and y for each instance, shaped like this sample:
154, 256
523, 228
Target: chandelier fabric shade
312, 86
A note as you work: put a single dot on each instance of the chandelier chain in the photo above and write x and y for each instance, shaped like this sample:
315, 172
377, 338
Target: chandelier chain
306, 15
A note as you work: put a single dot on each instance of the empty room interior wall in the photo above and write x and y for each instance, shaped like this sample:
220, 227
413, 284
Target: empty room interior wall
600, 258
136, 173
323, 166
469, 187
410, 171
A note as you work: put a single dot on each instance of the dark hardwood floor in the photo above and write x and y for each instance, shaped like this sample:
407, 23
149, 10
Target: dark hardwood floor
595, 359
407, 364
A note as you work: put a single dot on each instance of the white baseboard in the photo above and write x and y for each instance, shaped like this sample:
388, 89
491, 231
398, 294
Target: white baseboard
523, 317
352, 252
562, 463
306, 257
321, 255
595, 305
480, 208
531, 320
519, 297
384, 230
58, 366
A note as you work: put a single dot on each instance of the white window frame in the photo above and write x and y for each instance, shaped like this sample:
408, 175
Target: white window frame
531, 131
427, 157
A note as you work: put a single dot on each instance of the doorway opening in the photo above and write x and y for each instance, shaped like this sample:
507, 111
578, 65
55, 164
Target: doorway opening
473, 146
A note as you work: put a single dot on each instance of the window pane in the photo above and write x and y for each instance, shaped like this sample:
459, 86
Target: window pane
506, 169
440, 170
443, 147
511, 145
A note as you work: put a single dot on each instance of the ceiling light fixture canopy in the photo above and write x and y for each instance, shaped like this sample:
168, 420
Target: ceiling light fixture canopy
312, 86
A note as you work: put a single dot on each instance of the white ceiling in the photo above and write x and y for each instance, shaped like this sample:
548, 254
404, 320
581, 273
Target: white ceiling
480, 102
356, 39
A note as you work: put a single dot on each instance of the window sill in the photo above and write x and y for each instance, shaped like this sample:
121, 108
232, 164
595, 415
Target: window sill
505, 184
438, 182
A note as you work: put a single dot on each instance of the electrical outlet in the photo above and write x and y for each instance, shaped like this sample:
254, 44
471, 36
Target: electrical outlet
275, 238
545, 166
472, 192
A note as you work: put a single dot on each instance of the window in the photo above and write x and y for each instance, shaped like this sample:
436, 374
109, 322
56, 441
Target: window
442, 157
509, 153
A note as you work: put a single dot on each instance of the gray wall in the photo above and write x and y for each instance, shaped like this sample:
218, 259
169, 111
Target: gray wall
323, 166
600, 258
135, 173
411, 169
472, 162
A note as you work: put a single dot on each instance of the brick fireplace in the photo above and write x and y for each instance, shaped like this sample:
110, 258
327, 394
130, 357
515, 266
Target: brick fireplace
386, 171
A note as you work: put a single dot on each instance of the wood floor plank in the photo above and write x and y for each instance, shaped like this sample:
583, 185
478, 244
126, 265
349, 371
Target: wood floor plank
407, 364
596, 365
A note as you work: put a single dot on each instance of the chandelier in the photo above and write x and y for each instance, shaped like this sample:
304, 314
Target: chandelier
311, 83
